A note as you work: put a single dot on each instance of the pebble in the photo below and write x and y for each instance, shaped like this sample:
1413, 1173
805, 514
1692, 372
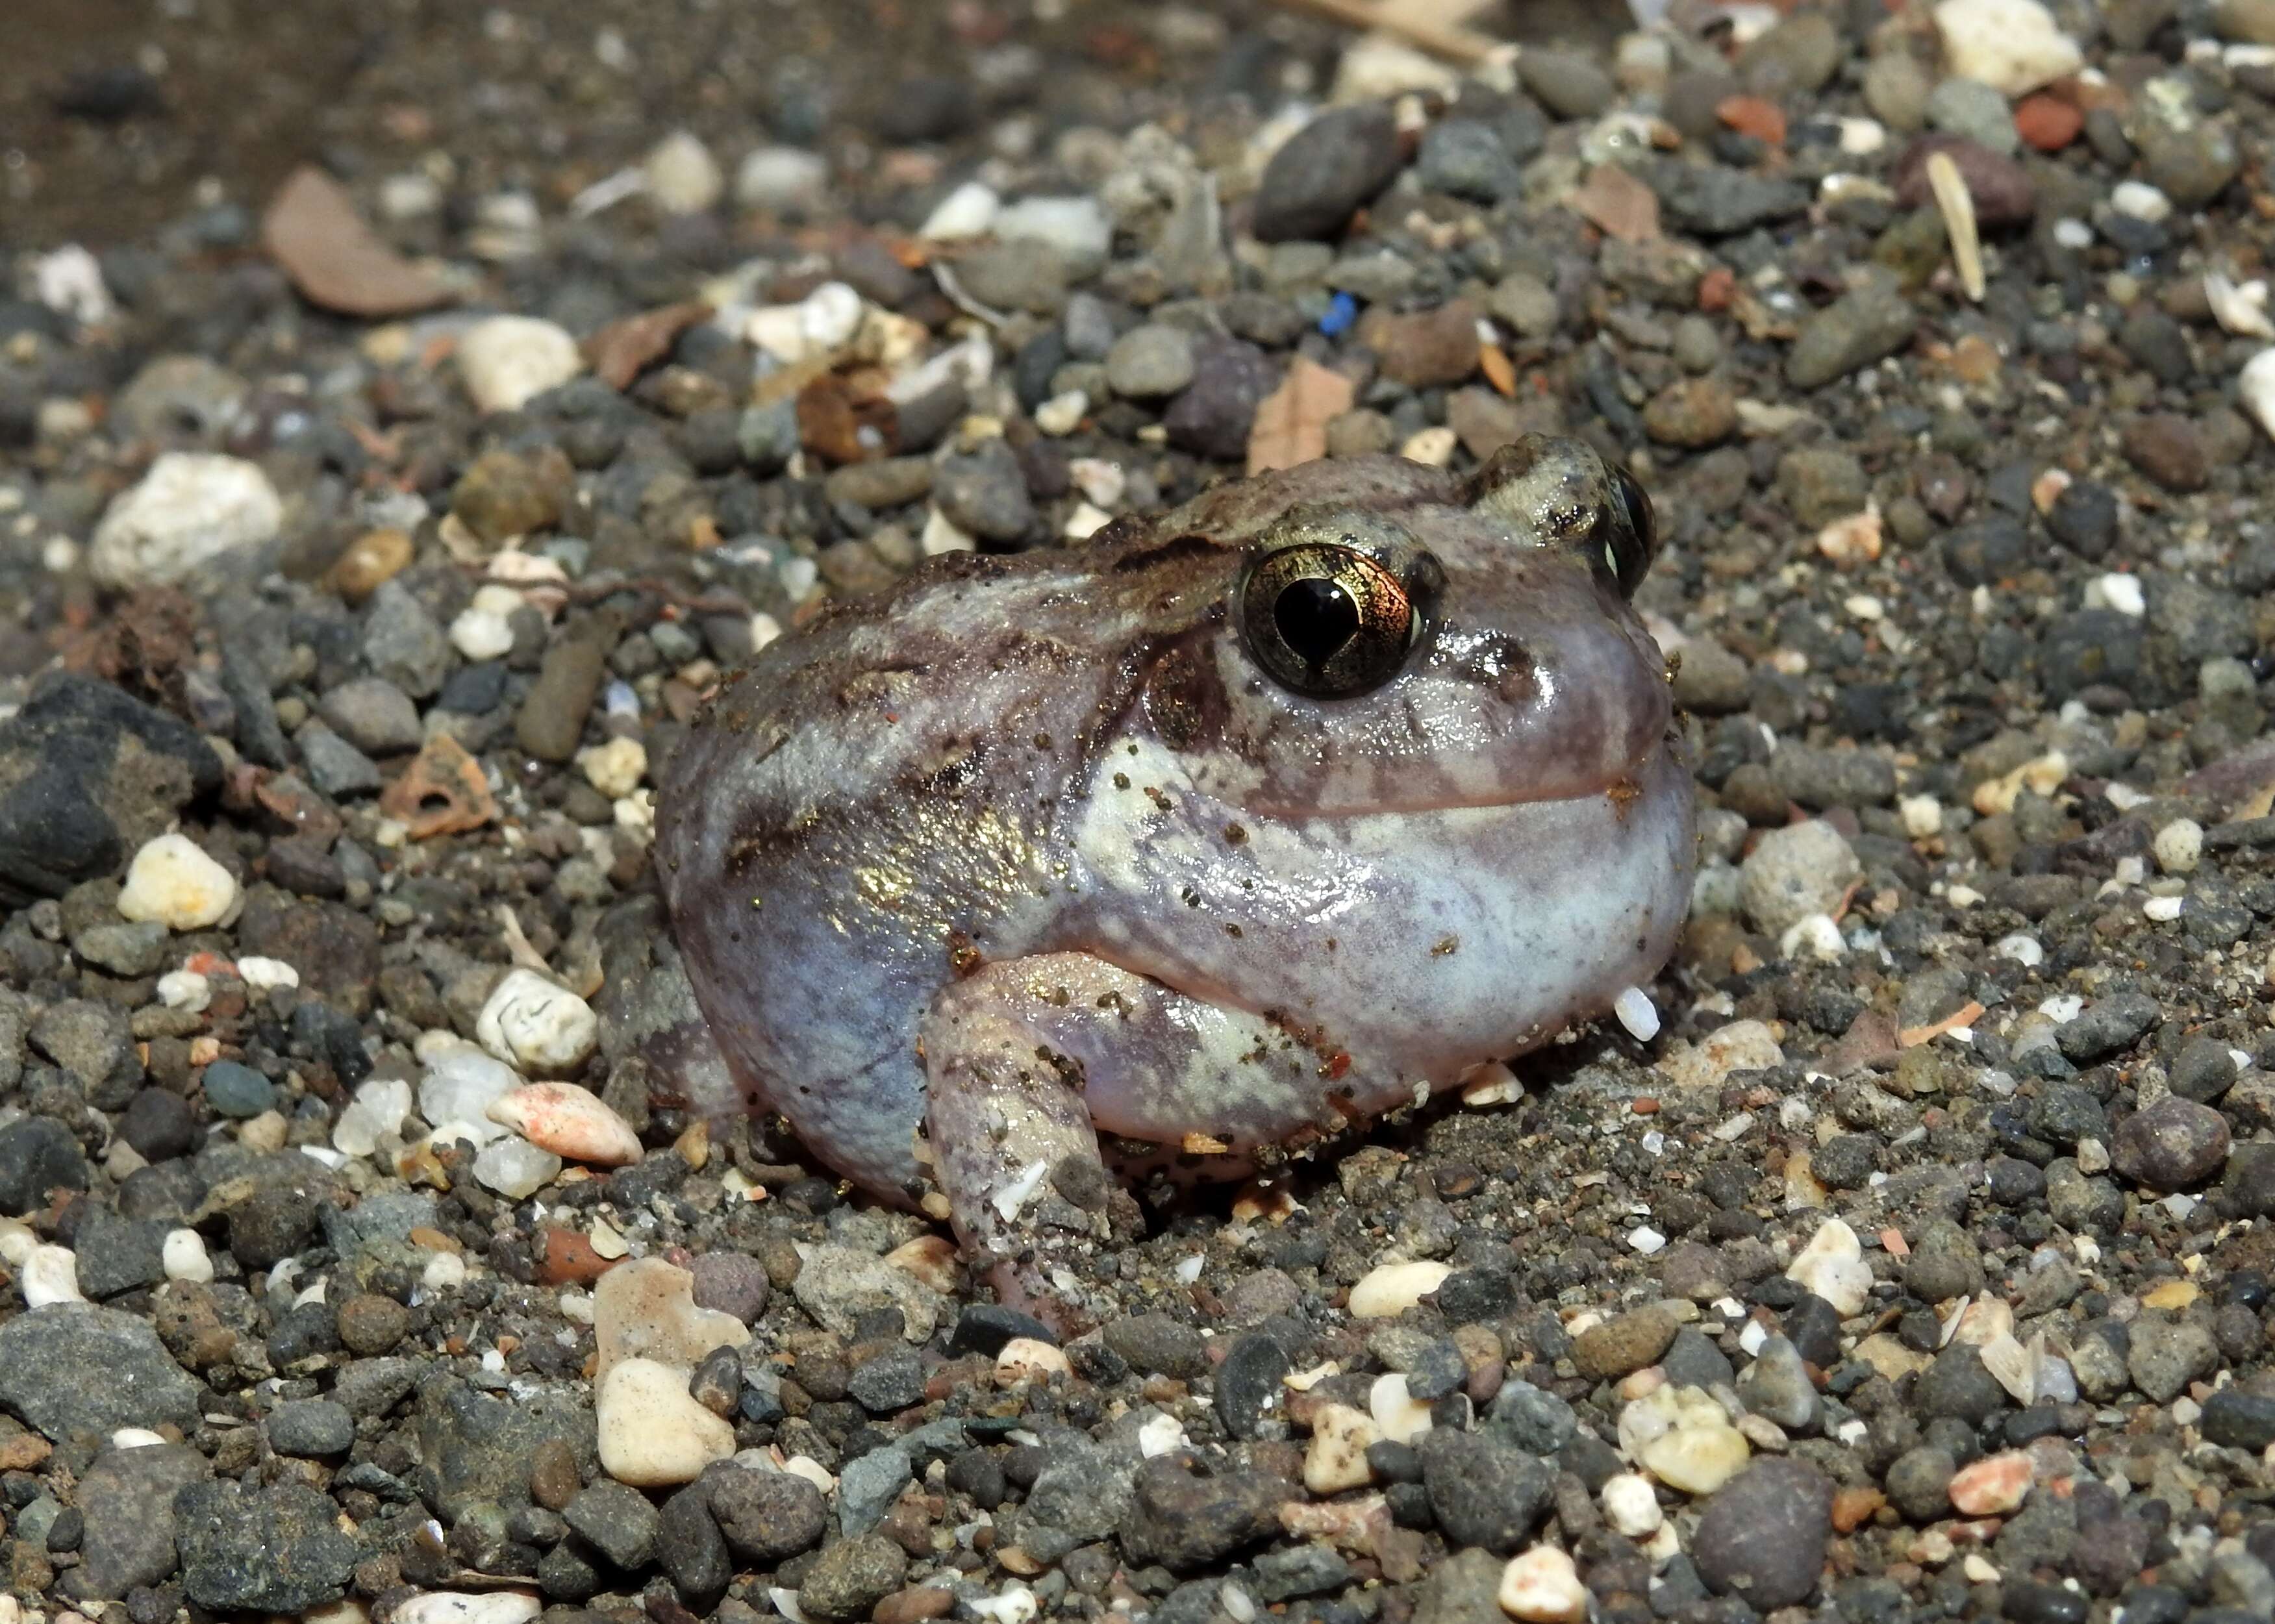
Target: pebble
515, 1168
1992, 1486
1150, 362
983, 493
1076, 229
1968, 107
1683, 1436
2171, 1144
782, 179
651, 1434
766, 1514
1863, 326
2013, 46
1570, 84
1387, 1292
2107, 1026
1831, 1266
178, 886
191, 510
1323, 173
184, 1257
468, 1607
237, 1090
1763, 1536
76, 1368
1336, 1458
1620, 1346
1792, 873
683, 178
537, 1025
1543, 1587
507, 361
570, 1122
1483, 1491
852, 1576
646, 1309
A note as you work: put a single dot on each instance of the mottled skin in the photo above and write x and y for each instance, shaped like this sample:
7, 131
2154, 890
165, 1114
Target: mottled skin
1032, 851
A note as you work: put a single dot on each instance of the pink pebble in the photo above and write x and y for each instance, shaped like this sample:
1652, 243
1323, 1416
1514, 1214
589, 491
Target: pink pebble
571, 1122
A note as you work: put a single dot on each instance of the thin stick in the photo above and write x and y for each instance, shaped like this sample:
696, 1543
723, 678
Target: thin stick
1958, 208
1440, 39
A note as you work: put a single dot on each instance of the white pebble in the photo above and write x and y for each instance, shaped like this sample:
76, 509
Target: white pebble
183, 1256
1401, 1416
1646, 1240
2072, 234
1861, 137
1922, 814
376, 1113
2140, 200
1543, 1587
173, 881
828, 317
456, 1093
51, 1274
1433, 447
570, 1122
683, 177
1631, 1505
539, 1027
2178, 846
468, 1607
1100, 481
2013, 46
1028, 1358
266, 974
1637, 1013
780, 179
614, 768
506, 361
2121, 593
2257, 384
190, 509
515, 1168
136, 1438
1832, 1265
963, 214
184, 990
1387, 1292
444, 1272
1062, 414
2161, 910
1076, 228
1015, 1606
652, 1433
1814, 936
480, 634
2024, 951
1162, 1435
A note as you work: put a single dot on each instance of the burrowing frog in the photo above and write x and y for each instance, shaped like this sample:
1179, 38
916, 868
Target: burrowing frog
1186, 847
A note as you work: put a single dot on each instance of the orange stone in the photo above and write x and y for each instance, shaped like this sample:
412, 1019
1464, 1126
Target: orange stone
1716, 288
1853, 1508
1752, 116
2048, 122
565, 1257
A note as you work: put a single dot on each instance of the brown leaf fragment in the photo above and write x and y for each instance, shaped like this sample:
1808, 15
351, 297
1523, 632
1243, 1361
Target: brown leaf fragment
1617, 203
1291, 422
312, 229
620, 351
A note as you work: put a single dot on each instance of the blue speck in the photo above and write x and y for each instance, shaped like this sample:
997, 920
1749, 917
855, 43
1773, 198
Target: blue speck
1341, 311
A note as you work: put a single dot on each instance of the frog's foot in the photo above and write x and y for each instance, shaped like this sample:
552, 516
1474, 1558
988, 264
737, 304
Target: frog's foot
1028, 1061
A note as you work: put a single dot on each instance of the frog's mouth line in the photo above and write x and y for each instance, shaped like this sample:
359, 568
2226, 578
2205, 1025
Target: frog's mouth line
1623, 786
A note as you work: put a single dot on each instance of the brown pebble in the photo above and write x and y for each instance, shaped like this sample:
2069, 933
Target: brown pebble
1427, 350
371, 560
2166, 446
370, 1323
551, 723
565, 1257
914, 1604
553, 1480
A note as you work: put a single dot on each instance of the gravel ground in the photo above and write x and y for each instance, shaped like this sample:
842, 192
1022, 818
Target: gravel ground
367, 538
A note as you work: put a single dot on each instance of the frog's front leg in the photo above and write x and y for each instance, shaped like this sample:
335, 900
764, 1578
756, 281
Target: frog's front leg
1029, 1061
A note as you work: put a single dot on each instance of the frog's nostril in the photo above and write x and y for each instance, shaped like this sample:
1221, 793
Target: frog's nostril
1315, 617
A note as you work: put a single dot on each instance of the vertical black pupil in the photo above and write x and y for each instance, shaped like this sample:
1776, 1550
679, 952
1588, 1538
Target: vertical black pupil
1316, 617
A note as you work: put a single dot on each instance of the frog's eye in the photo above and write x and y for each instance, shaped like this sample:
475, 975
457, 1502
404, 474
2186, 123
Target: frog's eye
1328, 621
1625, 536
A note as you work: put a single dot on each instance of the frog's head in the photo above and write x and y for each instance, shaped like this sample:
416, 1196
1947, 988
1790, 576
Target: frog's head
1394, 638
